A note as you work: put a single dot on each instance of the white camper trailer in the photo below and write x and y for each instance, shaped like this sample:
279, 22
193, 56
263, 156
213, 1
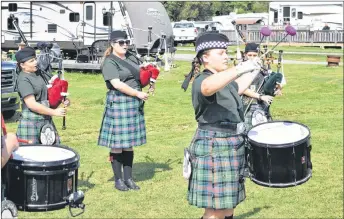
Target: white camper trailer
246, 21
312, 14
84, 22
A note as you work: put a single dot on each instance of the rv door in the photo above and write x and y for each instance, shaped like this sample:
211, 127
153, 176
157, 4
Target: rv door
293, 17
89, 26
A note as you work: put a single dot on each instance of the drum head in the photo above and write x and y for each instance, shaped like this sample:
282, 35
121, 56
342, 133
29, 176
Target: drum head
37, 154
278, 133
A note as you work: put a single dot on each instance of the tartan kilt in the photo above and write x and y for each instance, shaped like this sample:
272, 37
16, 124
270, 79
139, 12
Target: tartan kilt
30, 125
217, 170
123, 124
250, 112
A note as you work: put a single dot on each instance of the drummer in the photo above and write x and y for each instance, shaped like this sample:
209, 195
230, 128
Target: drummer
9, 143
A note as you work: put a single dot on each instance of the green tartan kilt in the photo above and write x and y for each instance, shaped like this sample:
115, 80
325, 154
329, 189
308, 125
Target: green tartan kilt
30, 125
217, 179
123, 124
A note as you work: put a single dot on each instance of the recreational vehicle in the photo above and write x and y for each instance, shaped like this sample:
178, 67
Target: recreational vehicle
313, 14
249, 21
83, 23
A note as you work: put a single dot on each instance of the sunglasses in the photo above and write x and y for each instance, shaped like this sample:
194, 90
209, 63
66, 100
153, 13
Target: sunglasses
121, 42
252, 55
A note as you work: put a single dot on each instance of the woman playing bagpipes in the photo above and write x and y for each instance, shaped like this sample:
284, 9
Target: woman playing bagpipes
123, 126
260, 94
36, 112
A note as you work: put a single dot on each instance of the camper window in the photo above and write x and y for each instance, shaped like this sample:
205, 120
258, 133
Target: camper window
293, 12
52, 28
89, 12
12, 6
62, 11
107, 19
299, 15
10, 25
74, 17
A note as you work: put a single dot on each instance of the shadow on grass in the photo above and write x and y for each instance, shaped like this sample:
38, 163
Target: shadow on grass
84, 182
250, 213
146, 170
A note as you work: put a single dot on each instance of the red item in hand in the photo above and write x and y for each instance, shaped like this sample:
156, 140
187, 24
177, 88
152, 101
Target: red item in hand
54, 92
148, 73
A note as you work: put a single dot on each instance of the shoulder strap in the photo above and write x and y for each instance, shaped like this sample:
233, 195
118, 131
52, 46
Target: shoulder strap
133, 71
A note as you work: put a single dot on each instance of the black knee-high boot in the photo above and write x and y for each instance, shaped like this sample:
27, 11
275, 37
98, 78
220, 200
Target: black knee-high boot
116, 164
128, 158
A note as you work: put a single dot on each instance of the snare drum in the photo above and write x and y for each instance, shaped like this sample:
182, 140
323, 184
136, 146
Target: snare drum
41, 177
278, 154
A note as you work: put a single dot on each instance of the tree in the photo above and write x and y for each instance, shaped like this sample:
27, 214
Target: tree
205, 10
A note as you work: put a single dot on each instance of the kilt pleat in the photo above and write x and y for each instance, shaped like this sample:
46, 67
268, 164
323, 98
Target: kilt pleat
30, 125
218, 167
123, 124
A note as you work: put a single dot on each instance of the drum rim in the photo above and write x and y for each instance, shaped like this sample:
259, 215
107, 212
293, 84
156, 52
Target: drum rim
285, 145
44, 164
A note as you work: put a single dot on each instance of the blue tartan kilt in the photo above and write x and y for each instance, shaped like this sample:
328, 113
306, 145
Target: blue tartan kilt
30, 125
123, 124
217, 170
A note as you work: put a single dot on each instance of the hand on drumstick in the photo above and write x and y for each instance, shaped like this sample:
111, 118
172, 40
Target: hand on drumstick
10, 143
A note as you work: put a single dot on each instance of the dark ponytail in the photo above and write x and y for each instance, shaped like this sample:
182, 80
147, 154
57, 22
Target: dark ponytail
195, 70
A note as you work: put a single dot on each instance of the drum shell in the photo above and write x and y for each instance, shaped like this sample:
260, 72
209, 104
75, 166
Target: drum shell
281, 165
32, 186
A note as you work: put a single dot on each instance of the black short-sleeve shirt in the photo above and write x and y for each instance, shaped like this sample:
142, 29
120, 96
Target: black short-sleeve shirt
223, 106
32, 83
112, 69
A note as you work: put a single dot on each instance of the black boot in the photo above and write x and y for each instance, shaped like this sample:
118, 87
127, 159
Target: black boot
128, 157
229, 217
116, 163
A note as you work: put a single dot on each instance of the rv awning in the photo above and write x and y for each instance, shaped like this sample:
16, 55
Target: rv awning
247, 21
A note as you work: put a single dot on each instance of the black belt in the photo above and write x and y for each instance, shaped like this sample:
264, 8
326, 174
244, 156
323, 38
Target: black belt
228, 127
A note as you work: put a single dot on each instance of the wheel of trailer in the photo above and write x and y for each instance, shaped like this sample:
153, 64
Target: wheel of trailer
8, 114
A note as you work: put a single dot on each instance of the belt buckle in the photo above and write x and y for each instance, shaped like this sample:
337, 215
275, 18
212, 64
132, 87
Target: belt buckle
241, 128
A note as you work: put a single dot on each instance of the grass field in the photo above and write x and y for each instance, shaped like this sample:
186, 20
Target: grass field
291, 48
322, 57
313, 96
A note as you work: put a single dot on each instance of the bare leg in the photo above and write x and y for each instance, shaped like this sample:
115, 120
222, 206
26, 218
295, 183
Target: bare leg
218, 214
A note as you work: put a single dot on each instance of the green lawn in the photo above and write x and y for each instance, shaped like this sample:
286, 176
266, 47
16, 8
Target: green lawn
313, 96
298, 57
284, 48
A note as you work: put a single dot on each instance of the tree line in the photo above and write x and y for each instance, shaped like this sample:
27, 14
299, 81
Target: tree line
200, 11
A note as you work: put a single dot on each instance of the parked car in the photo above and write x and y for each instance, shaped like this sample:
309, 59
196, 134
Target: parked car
184, 32
10, 100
